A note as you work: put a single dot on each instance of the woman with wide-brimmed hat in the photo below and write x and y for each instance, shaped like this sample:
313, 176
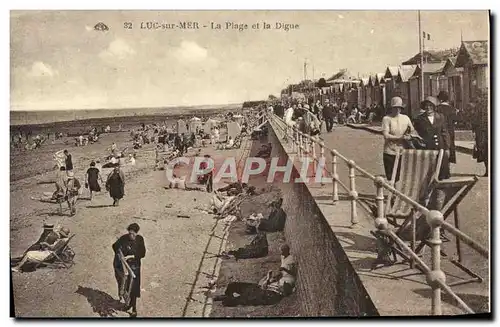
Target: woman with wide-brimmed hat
432, 128
395, 128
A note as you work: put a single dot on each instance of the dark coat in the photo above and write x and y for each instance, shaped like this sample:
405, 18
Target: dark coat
136, 248
435, 137
450, 115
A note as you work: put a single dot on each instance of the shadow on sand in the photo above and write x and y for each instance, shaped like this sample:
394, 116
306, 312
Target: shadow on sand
101, 302
100, 206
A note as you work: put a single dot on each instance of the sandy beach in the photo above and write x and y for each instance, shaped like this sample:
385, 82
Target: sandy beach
175, 245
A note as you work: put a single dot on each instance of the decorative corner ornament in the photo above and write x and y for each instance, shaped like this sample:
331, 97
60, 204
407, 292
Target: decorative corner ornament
101, 27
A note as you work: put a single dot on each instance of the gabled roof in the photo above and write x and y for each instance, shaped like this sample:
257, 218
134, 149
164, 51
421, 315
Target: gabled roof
365, 81
450, 64
405, 72
343, 74
431, 56
435, 68
475, 52
391, 71
372, 80
379, 78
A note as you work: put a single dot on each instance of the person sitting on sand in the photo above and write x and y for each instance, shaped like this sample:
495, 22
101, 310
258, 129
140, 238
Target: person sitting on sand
230, 143
234, 188
59, 194
53, 242
219, 203
270, 289
258, 248
131, 159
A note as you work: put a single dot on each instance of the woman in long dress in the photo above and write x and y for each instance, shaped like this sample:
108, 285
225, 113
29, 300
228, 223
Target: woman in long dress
93, 177
115, 184
132, 246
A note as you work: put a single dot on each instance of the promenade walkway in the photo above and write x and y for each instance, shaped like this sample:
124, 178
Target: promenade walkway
399, 290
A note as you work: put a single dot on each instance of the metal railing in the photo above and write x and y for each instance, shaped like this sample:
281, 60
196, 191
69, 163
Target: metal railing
303, 144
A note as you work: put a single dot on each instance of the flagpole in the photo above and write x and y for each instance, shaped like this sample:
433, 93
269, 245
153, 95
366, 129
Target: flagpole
421, 57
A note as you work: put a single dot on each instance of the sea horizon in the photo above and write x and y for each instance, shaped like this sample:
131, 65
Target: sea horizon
47, 116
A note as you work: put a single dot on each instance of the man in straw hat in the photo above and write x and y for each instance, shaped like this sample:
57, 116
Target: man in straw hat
396, 128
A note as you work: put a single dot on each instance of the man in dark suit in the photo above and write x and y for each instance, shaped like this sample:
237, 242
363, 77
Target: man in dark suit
450, 115
328, 113
432, 128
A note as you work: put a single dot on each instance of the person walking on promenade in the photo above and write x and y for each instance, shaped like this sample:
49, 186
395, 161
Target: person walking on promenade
450, 115
115, 184
394, 129
289, 114
93, 177
328, 114
432, 128
133, 249
480, 129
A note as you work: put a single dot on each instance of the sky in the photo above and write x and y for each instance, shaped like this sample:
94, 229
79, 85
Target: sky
58, 60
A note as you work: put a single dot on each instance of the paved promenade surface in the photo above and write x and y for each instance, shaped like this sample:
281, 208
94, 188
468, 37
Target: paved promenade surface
399, 290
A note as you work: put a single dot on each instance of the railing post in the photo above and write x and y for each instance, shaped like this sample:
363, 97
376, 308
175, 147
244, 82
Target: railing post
335, 177
301, 144
322, 158
313, 149
435, 220
353, 194
294, 139
307, 145
379, 184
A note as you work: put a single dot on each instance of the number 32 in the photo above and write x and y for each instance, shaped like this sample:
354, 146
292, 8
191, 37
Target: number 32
127, 25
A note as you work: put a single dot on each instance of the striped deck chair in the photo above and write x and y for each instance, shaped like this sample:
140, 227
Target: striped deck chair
418, 176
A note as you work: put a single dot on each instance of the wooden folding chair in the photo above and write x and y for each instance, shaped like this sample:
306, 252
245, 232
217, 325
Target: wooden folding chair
455, 190
127, 279
58, 257
419, 173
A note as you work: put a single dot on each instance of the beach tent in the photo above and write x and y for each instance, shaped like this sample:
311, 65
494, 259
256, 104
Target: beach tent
209, 124
181, 126
233, 129
194, 123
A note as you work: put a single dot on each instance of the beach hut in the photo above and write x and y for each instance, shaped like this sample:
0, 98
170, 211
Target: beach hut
473, 59
455, 82
209, 124
195, 123
391, 75
181, 126
408, 89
